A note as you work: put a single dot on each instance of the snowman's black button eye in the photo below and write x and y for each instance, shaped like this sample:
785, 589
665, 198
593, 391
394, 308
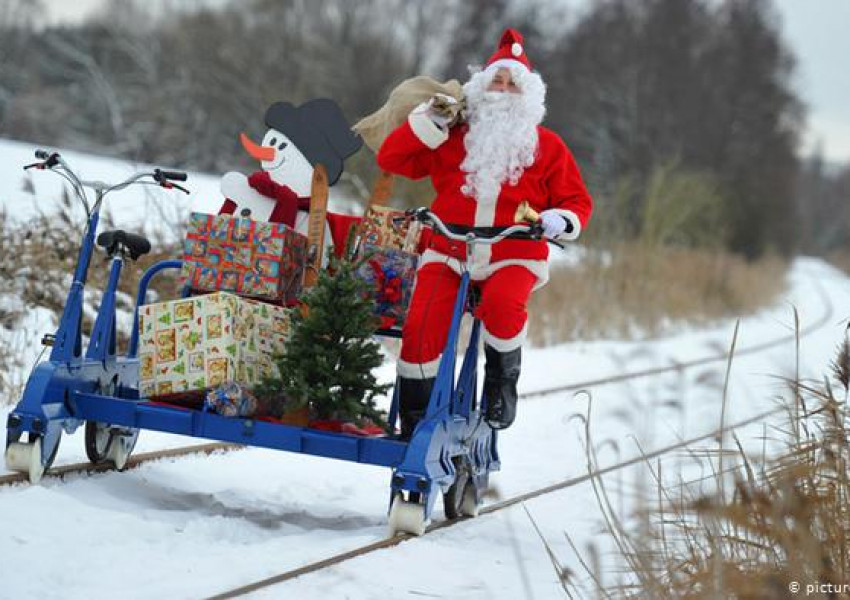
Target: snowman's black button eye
273, 141
282, 146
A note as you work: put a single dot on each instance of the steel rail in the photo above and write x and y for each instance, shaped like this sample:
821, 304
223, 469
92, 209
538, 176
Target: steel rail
134, 461
504, 504
489, 509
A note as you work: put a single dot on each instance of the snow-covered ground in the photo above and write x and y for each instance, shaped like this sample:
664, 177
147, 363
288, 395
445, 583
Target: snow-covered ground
27, 193
148, 208
193, 527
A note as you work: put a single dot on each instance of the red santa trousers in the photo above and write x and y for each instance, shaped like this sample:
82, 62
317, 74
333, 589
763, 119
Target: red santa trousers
502, 310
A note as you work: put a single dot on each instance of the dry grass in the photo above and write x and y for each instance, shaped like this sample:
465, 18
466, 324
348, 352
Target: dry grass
43, 251
637, 290
784, 523
37, 260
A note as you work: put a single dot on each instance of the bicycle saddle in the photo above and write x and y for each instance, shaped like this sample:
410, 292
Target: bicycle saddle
120, 240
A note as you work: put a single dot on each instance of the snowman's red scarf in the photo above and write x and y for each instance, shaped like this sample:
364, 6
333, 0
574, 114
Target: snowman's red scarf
287, 202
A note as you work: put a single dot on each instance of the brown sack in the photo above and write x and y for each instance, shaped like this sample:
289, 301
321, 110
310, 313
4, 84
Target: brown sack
404, 98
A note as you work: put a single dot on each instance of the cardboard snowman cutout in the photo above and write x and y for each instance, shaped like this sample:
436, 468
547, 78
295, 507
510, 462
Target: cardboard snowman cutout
298, 138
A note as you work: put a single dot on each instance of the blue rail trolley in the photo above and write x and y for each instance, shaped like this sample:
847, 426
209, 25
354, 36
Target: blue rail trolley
452, 450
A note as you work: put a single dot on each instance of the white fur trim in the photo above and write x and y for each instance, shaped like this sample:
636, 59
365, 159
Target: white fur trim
432, 256
425, 129
480, 259
540, 268
574, 221
485, 216
516, 49
417, 370
234, 185
506, 62
501, 345
485, 213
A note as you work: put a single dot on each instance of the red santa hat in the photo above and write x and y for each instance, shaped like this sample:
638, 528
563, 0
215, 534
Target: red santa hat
510, 53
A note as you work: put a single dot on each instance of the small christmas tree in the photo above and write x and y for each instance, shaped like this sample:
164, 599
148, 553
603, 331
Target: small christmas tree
329, 358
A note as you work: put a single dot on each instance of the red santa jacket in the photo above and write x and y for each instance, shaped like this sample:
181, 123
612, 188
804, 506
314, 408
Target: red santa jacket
416, 149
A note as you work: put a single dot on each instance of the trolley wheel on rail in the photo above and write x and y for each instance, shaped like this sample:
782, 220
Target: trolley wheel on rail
98, 436
460, 499
32, 457
407, 517
121, 444
106, 443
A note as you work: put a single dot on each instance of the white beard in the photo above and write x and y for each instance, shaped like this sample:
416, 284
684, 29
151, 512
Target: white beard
502, 138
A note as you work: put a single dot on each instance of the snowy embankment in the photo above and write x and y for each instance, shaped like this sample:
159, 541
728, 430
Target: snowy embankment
201, 525
192, 527
149, 209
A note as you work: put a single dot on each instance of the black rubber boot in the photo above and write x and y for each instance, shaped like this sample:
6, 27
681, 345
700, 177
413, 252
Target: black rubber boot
413, 396
501, 373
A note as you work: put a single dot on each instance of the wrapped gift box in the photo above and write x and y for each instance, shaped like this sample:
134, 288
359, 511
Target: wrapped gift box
389, 228
201, 342
249, 258
390, 274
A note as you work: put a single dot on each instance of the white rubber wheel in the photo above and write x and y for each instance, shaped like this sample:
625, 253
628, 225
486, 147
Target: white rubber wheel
120, 448
407, 517
26, 458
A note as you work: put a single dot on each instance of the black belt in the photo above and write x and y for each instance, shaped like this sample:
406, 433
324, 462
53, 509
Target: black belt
489, 232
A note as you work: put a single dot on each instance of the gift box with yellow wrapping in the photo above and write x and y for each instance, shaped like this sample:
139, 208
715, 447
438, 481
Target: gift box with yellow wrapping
387, 227
200, 342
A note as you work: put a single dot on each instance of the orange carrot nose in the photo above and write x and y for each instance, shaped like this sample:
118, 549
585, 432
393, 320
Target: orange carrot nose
261, 153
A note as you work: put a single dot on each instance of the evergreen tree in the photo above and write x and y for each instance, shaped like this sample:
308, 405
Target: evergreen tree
328, 360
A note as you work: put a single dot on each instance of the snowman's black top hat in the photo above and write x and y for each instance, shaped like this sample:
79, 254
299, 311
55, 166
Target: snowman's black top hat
319, 130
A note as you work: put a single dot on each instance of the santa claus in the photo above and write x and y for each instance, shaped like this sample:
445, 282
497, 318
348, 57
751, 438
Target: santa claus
482, 170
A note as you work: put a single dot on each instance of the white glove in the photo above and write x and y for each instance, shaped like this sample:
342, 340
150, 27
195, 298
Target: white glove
439, 120
553, 223
436, 118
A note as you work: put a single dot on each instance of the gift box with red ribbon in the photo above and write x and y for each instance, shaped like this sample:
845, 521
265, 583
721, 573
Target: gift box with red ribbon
390, 274
246, 257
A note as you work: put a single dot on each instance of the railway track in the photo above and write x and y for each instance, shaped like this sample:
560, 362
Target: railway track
85, 468
134, 461
507, 503
489, 509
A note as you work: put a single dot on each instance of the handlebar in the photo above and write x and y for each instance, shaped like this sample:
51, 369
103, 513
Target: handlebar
173, 175
424, 215
53, 159
165, 178
49, 160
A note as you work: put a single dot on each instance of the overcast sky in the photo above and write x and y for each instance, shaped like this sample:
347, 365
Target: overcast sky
818, 31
